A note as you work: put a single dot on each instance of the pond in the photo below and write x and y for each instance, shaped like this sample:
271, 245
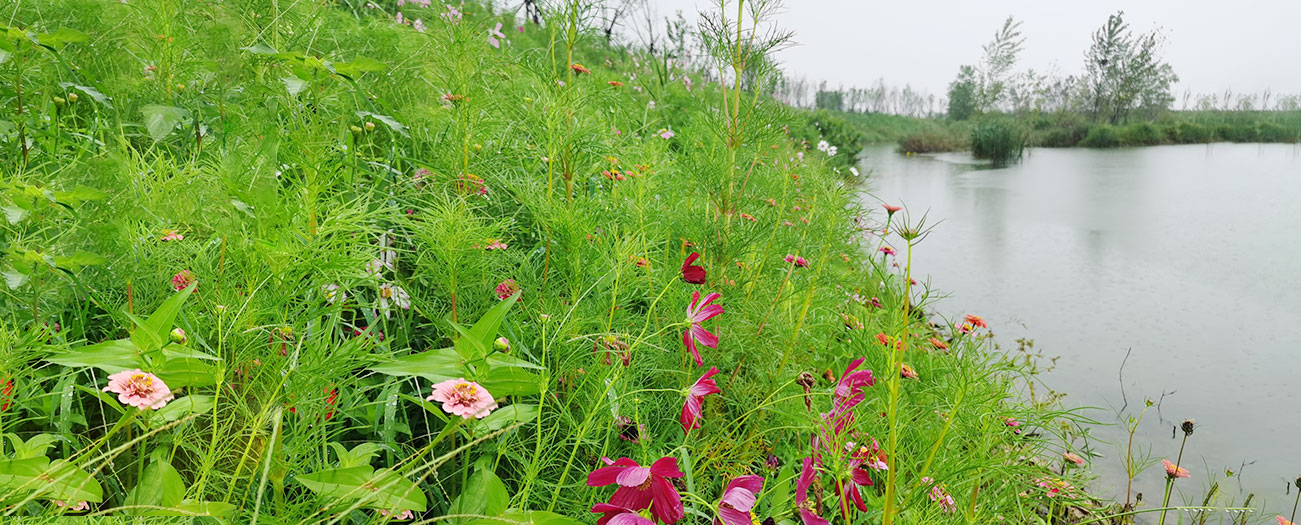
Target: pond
1183, 263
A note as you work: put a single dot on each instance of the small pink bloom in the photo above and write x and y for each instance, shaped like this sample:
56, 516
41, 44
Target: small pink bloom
419, 26
172, 235
890, 210
639, 487
799, 261
692, 273
976, 321
619, 515
698, 312
692, 409
139, 389
495, 244
666, 134
494, 34
81, 506
397, 516
906, 371
1073, 458
463, 398
183, 280
1174, 471
887, 250
506, 289
808, 507
1011, 422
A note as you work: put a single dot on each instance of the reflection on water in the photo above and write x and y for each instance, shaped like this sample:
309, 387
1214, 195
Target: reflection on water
1190, 256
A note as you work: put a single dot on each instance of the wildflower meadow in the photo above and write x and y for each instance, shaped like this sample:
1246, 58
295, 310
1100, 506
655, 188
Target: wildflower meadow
274, 261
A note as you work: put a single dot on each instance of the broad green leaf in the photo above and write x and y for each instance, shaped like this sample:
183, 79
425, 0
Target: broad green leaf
779, 496
499, 359
294, 85
260, 49
161, 485
337, 482
75, 261
183, 407
391, 122
485, 330
60, 37
78, 195
21, 474
507, 416
517, 516
360, 65
484, 493
359, 456
70, 483
381, 488
242, 206
14, 279
161, 120
110, 356
185, 372
397, 492
14, 214
160, 322
186, 352
434, 365
32, 448
90, 92
506, 381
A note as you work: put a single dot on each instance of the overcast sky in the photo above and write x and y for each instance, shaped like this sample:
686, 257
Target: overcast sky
1213, 45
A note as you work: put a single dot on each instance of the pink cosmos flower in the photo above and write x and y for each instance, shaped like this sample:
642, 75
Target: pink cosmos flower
1011, 422
506, 289
397, 516
81, 506
940, 496
808, 507
890, 210
494, 34
139, 389
183, 280
692, 273
699, 312
1073, 458
666, 134
691, 408
799, 261
738, 500
495, 244
1284, 521
172, 235
640, 487
887, 250
1173, 470
463, 398
419, 26
616, 515
452, 15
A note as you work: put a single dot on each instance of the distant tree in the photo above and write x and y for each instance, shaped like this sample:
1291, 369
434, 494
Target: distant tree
1124, 72
829, 99
962, 94
996, 66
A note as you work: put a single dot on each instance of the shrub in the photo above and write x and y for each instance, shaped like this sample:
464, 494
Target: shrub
1273, 132
819, 125
1062, 137
1192, 133
1101, 136
999, 140
930, 141
1141, 134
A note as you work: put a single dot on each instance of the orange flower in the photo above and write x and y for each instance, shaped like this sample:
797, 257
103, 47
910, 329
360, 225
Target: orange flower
937, 343
1073, 458
616, 83
578, 68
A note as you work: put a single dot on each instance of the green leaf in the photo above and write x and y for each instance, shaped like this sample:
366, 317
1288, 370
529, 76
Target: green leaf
21, 474
161, 120
110, 356
14, 214
359, 456
70, 483
506, 381
183, 407
391, 122
779, 500
32, 448
61, 37
191, 507
485, 330
242, 206
160, 322
75, 261
294, 85
381, 488
504, 417
90, 92
484, 493
499, 359
260, 49
160, 486
78, 195
517, 516
185, 372
434, 365
14, 279
360, 65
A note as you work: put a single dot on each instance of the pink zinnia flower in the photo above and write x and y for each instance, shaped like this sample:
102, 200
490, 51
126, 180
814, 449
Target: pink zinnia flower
691, 408
183, 280
907, 372
698, 312
1284, 521
799, 261
1073, 458
463, 398
1173, 470
640, 487
139, 389
692, 273
738, 500
616, 515
494, 34
808, 507
506, 289
578, 68
172, 235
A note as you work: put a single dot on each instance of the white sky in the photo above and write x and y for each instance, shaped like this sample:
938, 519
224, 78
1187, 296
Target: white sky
1213, 45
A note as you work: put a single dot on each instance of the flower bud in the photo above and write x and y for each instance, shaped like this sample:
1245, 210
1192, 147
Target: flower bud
72, 97
370, 126
1298, 482
1188, 427
180, 87
354, 129
178, 336
501, 344
58, 101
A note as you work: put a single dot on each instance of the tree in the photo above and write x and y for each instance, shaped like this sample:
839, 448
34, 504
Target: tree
962, 94
1124, 73
1000, 57
831, 99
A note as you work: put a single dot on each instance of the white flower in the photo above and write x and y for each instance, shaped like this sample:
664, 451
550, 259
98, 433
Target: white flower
831, 151
823, 145
387, 255
376, 267
396, 294
853, 171
333, 294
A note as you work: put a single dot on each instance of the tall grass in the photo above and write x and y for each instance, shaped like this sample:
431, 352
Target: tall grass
998, 140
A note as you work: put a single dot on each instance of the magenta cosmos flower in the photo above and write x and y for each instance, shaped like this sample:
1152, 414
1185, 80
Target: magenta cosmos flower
799, 261
139, 389
738, 500
858, 477
463, 398
691, 409
640, 487
616, 515
692, 273
698, 312
808, 507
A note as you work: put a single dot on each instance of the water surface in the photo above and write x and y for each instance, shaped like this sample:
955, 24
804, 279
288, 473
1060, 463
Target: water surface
1186, 257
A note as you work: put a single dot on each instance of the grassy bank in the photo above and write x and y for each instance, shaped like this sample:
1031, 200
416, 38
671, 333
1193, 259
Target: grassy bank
300, 262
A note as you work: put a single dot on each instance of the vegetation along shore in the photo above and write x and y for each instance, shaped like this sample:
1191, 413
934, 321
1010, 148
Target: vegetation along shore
323, 262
